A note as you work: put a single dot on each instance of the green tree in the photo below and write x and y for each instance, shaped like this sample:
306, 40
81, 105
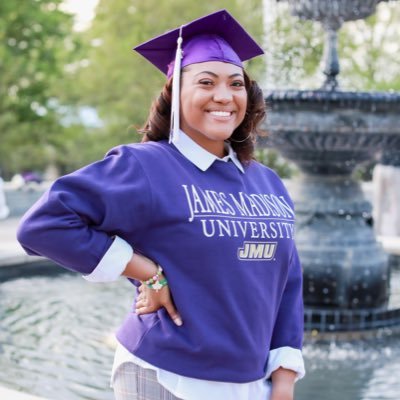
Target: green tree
33, 38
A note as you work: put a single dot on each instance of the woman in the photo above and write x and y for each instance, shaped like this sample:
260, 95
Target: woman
203, 231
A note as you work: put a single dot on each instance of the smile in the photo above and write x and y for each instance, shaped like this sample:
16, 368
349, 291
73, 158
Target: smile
221, 113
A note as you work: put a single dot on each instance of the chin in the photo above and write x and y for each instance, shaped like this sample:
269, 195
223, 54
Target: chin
220, 135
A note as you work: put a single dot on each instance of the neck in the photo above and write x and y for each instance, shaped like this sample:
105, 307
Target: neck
217, 148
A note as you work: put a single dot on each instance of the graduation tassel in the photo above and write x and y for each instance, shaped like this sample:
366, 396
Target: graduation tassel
174, 134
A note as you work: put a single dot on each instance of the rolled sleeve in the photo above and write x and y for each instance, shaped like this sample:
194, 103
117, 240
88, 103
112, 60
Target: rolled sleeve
288, 358
113, 262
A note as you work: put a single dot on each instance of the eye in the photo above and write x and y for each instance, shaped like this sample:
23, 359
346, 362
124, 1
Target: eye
238, 83
206, 82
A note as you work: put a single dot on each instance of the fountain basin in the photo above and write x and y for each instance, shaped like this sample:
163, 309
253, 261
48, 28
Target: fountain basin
330, 132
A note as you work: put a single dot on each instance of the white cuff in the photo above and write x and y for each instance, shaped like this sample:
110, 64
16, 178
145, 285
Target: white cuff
288, 358
113, 263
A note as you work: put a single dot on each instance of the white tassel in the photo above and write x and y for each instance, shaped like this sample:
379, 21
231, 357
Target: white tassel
174, 133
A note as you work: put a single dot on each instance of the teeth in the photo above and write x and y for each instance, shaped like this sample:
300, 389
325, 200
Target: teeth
220, 113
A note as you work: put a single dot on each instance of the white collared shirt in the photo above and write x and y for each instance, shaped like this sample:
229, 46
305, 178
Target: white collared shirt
113, 264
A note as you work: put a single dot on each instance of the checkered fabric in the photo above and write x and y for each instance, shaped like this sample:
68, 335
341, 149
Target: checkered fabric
132, 382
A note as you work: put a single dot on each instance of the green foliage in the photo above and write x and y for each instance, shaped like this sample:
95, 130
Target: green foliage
80, 146
33, 36
272, 159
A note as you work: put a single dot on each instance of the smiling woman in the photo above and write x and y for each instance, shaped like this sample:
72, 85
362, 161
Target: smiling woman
203, 231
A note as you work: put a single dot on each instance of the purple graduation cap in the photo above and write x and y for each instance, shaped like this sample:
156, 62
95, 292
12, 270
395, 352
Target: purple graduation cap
214, 37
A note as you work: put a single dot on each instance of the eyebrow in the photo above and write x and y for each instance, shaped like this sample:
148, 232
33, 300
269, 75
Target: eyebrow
216, 76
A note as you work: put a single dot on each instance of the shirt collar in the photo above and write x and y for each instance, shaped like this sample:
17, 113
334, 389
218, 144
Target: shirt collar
200, 157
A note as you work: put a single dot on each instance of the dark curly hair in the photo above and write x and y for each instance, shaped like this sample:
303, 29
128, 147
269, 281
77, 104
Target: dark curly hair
242, 140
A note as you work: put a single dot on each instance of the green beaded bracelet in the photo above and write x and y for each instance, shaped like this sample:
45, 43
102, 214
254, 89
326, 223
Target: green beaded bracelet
155, 282
158, 285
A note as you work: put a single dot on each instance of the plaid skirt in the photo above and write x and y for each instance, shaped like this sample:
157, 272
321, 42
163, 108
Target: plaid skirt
132, 382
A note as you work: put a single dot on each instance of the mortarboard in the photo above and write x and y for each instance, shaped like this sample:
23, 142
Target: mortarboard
214, 37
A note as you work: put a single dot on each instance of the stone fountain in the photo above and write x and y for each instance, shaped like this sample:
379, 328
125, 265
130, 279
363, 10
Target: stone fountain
327, 133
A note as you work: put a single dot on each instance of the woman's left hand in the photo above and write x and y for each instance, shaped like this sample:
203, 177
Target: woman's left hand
150, 300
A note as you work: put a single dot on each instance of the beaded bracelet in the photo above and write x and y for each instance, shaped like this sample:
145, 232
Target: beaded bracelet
155, 282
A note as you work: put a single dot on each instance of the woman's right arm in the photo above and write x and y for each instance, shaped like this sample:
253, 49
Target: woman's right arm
77, 222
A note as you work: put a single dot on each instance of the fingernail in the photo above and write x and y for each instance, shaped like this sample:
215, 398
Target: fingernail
178, 321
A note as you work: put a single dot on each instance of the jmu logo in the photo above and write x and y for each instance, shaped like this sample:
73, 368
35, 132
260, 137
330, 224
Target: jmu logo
255, 251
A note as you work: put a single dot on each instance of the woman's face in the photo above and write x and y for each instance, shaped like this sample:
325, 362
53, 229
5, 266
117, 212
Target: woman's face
213, 103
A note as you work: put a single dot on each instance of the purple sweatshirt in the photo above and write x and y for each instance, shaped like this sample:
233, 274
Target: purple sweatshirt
224, 239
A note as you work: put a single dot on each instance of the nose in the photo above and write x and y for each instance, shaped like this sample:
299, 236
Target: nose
222, 94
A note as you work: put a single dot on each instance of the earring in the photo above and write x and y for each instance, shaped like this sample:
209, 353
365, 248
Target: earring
241, 141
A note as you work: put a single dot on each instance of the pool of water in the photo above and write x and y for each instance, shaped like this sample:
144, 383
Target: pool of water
56, 335
56, 341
